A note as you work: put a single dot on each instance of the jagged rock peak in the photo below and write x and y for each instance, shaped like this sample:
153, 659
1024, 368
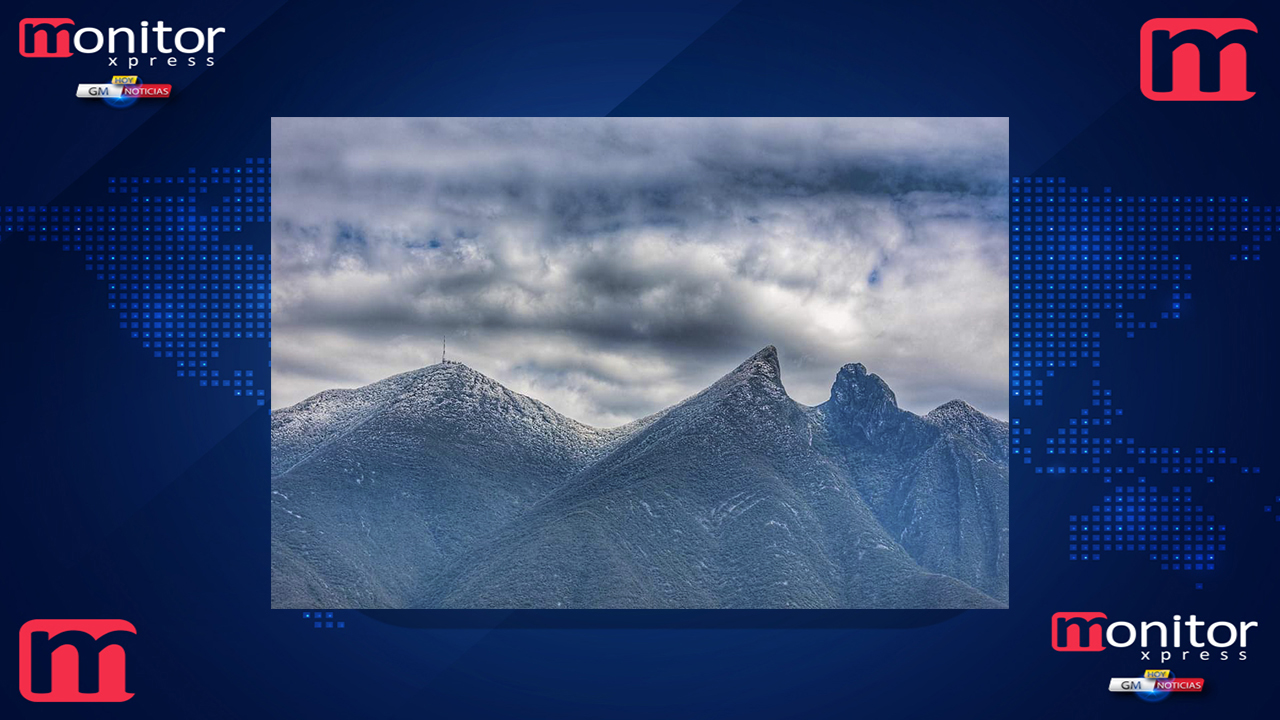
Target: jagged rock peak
856, 388
763, 364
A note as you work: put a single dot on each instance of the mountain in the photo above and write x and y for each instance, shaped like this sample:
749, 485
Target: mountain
373, 488
441, 488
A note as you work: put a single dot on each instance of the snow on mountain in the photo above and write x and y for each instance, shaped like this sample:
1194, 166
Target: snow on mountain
441, 488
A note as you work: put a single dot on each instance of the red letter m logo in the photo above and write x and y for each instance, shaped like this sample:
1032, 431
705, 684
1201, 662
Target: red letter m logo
74, 660
1197, 59
40, 37
1076, 632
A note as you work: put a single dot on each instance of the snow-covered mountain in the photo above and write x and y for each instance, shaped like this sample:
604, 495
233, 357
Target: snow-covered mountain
441, 488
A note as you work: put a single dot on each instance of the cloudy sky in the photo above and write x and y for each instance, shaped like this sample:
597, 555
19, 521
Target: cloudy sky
611, 267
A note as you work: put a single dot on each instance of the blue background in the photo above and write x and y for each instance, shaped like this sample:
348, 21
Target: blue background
133, 494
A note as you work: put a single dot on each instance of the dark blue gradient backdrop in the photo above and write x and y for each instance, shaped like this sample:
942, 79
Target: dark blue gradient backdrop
132, 495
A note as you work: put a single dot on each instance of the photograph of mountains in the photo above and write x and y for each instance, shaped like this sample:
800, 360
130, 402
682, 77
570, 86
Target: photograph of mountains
539, 363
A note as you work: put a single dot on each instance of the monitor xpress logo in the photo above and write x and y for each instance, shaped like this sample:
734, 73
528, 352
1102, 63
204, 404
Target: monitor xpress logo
74, 660
143, 46
1084, 632
1197, 59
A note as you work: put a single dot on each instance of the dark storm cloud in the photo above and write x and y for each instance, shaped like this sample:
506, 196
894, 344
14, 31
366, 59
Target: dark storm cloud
612, 267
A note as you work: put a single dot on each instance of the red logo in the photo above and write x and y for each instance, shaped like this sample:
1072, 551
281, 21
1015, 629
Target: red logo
1197, 59
146, 91
1180, 685
74, 660
40, 37
1070, 628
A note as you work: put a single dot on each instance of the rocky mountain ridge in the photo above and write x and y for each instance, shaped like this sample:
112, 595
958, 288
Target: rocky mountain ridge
442, 488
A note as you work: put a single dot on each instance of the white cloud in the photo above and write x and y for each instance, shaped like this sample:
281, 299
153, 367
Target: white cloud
612, 267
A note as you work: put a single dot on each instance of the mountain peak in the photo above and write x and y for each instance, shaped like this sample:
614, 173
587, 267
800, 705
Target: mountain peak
861, 401
855, 387
763, 364
855, 368
958, 416
448, 371
953, 409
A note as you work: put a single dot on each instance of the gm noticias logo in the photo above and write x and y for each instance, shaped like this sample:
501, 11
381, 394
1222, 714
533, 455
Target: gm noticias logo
123, 90
1197, 59
74, 660
1084, 632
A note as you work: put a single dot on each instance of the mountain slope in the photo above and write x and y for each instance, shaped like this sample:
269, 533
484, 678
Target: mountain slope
375, 487
440, 488
731, 500
939, 484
